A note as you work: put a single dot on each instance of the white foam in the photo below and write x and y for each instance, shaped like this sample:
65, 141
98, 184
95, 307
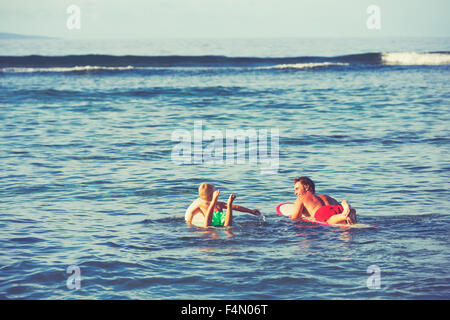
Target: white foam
415, 58
64, 69
305, 65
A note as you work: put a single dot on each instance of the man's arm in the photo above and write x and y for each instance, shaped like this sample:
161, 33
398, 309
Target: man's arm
241, 209
298, 209
244, 209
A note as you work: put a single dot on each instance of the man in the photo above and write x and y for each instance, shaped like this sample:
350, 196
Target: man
322, 207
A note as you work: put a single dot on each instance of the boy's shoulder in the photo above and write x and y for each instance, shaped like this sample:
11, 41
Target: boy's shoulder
195, 204
198, 202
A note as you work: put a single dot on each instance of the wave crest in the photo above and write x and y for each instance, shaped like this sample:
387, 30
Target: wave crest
415, 58
108, 63
65, 69
310, 65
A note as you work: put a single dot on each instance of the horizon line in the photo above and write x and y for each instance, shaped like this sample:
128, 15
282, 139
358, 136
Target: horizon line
13, 35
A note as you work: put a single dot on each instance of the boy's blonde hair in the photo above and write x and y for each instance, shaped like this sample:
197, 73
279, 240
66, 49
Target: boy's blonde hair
205, 191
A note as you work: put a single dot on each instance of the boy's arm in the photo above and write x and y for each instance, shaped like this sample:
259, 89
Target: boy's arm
209, 212
298, 209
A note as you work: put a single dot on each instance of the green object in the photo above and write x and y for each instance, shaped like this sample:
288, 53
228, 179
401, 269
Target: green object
218, 218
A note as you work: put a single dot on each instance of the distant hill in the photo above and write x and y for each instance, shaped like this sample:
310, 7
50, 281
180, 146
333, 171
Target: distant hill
6, 35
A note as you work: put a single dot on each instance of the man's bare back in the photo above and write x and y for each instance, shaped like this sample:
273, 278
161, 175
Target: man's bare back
310, 202
326, 201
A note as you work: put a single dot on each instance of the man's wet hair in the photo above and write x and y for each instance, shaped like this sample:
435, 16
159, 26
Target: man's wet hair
306, 182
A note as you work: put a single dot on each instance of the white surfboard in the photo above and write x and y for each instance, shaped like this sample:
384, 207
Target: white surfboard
198, 220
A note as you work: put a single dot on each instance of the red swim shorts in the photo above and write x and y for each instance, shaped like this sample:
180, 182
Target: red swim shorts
324, 213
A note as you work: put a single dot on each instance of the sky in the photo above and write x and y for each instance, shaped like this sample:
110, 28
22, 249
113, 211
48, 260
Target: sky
111, 19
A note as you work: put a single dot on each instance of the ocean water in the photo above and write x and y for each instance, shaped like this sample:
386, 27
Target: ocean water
89, 177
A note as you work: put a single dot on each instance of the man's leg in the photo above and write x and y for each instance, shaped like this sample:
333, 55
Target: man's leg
342, 217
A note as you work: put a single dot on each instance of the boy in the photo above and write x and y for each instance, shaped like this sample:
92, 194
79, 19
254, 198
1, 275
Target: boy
322, 207
211, 209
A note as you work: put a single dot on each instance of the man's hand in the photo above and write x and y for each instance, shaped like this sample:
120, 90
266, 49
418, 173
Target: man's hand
256, 212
